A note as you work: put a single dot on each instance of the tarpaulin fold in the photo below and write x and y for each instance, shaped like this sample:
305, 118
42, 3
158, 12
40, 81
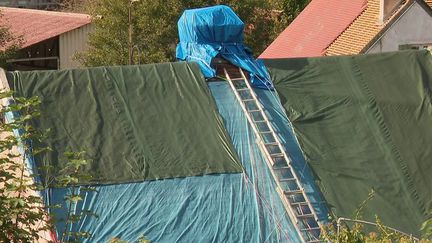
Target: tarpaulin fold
134, 122
221, 208
217, 31
365, 123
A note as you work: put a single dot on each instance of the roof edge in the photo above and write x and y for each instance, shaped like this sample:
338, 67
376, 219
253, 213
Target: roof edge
28, 44
324, 51
394, 19
55, 13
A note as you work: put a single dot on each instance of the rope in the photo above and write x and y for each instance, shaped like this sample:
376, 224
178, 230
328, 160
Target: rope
259, 197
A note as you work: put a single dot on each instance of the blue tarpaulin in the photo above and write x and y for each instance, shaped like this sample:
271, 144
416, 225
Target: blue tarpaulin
212, 208
217, 31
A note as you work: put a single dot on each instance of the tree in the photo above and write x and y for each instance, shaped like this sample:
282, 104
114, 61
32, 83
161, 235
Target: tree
76, 6
288, 10
155, 32
9, 44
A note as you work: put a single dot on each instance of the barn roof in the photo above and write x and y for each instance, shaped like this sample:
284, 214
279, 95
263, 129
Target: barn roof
35, 26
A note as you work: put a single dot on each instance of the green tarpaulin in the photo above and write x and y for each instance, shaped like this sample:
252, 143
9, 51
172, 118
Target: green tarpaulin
134, 122
365, 123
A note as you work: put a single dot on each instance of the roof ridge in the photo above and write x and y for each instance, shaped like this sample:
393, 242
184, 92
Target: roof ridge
364, 9
314, 28
364, 22
45, 12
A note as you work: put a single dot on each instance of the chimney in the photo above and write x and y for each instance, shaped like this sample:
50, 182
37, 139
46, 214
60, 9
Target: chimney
387, 7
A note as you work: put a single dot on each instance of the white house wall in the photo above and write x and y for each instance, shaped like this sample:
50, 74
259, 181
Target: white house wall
73, 42
413, 27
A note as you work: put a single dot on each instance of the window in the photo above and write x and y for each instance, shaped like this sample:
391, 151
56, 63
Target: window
416, 47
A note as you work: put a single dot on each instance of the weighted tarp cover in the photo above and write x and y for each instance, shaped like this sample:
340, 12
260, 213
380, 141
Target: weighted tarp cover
134, 122
365, 122
222, 208
217, 31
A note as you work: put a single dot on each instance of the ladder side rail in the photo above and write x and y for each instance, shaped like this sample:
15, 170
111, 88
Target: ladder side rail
290, 210
288, 161
282, 149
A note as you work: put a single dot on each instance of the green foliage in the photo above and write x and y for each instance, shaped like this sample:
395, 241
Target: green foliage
427, 229
22, 213
290, 9
142, 239
354, 231
362, 206
70, 177
76, 6
9, 45
154, 25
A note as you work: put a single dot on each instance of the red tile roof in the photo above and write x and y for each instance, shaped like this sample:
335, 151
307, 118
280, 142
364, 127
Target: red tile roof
37, 25
363, 30
316, 27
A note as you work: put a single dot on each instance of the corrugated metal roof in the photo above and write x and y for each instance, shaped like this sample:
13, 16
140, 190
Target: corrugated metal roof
429, 2
37, 25
317, 26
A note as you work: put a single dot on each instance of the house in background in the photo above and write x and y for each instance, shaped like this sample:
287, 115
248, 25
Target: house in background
344, 27
50, 39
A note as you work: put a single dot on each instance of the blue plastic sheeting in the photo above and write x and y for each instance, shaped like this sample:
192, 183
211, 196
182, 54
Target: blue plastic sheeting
215, 208
28, 158
217, 31
283, 128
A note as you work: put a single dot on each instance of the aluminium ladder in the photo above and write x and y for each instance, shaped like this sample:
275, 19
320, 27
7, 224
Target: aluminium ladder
289, 187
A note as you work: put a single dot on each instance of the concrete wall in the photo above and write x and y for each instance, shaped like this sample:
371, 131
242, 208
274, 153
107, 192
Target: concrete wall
73, 42
413, 27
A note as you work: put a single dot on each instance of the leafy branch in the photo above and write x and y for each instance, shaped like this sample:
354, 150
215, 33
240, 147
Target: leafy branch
23, 215
70, 177
341, 232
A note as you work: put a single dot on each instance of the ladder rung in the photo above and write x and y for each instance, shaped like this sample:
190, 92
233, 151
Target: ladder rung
279, 162
281, 168
299, 204
305, 216
263, 132
311, 229
293, 192
250, 111
271, 144
248, 100
277, 155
